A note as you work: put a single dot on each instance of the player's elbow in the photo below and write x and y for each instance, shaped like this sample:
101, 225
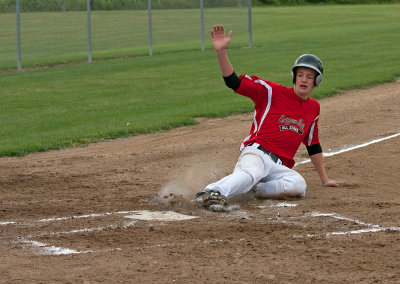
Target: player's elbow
232, 81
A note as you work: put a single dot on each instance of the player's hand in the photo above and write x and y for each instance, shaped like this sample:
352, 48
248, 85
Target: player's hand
332, 183
219, 39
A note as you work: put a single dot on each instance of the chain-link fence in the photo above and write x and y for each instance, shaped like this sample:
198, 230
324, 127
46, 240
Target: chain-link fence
48, 32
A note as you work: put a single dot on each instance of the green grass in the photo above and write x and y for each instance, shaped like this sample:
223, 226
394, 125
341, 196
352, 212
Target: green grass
73, 105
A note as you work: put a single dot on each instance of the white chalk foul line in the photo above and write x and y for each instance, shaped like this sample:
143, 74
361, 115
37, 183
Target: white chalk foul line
352, 148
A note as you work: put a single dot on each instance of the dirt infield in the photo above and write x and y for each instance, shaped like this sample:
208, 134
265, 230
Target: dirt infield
109, 212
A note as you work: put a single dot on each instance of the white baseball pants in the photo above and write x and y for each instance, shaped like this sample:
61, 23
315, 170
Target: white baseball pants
256, 169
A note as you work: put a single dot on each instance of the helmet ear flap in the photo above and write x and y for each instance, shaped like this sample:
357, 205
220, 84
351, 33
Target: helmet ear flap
318, 80
294, 75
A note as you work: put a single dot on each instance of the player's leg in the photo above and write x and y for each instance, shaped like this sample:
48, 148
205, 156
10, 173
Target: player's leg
281, 182
248, 171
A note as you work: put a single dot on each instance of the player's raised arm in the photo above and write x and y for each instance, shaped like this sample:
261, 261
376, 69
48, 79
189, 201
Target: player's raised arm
220, 42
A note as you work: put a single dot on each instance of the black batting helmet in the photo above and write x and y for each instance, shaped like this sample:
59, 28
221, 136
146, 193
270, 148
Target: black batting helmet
309, 61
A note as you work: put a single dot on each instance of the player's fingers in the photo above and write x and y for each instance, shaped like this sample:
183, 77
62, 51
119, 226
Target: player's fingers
230, 35
332, 183
337, 183
214, 30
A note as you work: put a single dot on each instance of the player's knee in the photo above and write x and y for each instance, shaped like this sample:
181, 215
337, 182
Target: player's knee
254, 174
296, 186
253, 165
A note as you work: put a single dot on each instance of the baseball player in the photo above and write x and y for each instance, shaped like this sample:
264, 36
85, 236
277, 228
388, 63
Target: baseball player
284, 118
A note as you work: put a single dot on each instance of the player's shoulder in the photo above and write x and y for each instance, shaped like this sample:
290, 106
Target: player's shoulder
250, 77
280, 89
257, 79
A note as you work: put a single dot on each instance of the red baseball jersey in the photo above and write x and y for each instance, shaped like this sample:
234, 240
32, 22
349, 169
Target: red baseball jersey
282, 120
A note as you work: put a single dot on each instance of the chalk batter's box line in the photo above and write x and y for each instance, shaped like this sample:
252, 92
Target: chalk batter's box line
46, 249
369, 228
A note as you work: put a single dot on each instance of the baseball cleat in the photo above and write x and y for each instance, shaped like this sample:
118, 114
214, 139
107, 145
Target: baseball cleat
209, 198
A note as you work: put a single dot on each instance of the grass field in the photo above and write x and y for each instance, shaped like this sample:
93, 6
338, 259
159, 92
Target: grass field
71, 105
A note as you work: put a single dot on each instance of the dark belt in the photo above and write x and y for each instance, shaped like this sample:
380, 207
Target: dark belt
273, 156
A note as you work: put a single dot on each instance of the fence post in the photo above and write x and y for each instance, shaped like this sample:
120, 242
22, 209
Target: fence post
17, 7
89, 31
202, 23
150, 33
250, 28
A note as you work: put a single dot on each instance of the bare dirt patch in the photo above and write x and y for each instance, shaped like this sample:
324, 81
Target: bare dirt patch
64, 215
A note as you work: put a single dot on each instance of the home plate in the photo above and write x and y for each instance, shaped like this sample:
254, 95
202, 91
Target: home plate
159, 216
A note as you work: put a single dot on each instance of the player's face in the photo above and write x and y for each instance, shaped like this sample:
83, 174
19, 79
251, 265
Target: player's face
305, 78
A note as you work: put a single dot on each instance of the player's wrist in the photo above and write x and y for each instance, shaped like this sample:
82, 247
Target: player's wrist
324, 179
220, 50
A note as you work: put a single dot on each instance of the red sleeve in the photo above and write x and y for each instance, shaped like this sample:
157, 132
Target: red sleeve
252, 87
